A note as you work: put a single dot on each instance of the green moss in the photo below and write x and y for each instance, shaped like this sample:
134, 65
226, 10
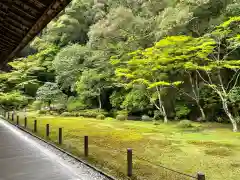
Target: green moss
220, 151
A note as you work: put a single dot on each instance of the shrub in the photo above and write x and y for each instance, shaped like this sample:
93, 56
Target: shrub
75, 104
42, 111
157, 122
53, 113
100, 117
121, 117
59, 108
36, 105
66, 114
182, 111
146, 118
185, 124
122, 112
109, 119
92, 113
157, 115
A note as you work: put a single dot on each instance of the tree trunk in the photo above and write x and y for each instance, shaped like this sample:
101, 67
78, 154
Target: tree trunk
162, 107
230, 116
99, 102
202, 112
99, 99
49, 105
164, 113
228, 113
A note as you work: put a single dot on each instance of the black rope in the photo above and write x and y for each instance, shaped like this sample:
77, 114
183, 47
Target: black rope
161, 166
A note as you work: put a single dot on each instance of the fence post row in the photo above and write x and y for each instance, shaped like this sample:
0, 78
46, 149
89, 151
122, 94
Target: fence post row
86, 148
200, 176
129, 162
60, 136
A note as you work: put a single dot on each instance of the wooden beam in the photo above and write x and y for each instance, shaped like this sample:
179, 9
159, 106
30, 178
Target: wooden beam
23, 13
9, 36
37, 4
16, 34
22, 20
8, 39
15, 28
48, 15
17, 24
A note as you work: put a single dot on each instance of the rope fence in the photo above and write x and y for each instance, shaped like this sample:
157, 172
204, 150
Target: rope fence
131, 158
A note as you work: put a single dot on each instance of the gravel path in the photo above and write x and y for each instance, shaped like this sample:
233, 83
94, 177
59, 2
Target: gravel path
23, 157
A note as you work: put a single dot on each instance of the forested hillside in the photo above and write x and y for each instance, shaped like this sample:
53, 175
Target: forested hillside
161, 59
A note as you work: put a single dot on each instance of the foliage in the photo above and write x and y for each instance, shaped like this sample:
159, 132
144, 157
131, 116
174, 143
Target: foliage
50, 93
146, 118
185, 124
13, 100
92, 113
66, 114
75, 104
135, 100
109, 119
42, 111
100, 117
121, 117
145, 57
182, 111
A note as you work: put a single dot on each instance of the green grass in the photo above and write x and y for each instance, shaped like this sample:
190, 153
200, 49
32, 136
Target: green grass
212, 149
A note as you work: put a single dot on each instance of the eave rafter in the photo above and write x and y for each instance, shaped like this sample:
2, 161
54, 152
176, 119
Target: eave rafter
22, 20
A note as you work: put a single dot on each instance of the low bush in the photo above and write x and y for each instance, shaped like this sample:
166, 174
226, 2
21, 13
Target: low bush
156, 123
91, 113
109, 119
66, 114
100, 117
146, 118
36, 105
42, 111
122, 112
121, 117
59, 108
75, 104
182, 111
157, 115
53, 113
185, 124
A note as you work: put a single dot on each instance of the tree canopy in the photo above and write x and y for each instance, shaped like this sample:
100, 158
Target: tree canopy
177, 59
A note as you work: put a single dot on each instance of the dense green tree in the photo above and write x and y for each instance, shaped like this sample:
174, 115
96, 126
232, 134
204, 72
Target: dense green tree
50, 93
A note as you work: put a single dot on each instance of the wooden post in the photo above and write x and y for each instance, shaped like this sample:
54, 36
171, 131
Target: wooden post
129, 162
25, 122
86, 148
201, 176
8, 115
47, 130
13, 116
60, 136
17, 120
35, 126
